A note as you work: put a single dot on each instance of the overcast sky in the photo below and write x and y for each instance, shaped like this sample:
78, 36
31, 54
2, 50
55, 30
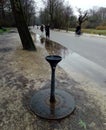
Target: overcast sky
83, 4
87, 4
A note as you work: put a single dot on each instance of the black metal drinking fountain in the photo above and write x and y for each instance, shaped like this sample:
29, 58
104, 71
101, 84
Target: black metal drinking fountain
52, 104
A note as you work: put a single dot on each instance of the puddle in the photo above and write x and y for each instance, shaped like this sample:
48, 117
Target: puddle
73, 62
52, 47
7, 49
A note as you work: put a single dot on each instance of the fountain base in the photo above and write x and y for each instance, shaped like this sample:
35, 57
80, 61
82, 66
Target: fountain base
63, 106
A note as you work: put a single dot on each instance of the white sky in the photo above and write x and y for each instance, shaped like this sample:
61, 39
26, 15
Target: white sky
83, 4
86, 4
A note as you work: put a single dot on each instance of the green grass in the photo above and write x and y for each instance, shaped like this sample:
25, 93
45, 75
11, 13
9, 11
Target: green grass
92, 31
82, 124
6, 30
1, 31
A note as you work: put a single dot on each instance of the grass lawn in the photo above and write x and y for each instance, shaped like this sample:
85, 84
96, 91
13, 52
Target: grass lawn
1, 31
4, 30
92, 31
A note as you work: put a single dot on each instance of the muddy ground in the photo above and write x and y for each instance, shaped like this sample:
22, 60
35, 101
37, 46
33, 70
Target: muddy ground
22, 73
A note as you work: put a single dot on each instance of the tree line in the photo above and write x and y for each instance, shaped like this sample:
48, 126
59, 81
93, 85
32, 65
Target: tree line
55, 12
6, 15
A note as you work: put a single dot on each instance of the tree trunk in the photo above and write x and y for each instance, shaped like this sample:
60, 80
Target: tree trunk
22, 27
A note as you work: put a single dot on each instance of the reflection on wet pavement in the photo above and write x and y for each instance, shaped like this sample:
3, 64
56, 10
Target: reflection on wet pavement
52, 47
7, 49
73, 61
76, 63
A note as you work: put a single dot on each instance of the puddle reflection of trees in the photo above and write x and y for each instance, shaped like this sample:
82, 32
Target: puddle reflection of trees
54, 48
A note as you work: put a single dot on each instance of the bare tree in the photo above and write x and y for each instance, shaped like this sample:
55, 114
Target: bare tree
22, 27
51, 5
29, 10
57, 13
81, 19
96, 17
6, 18
2, 4
67, 14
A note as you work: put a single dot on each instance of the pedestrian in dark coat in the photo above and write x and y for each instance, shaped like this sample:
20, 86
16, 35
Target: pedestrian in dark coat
78, 30
42, 28
47, 31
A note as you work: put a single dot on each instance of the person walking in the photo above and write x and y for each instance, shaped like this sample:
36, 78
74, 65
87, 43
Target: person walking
42, 29
47, 31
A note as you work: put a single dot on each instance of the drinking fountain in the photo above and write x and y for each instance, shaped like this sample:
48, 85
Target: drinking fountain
51, 103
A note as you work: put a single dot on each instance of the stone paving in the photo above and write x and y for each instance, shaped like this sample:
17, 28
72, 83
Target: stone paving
22, 73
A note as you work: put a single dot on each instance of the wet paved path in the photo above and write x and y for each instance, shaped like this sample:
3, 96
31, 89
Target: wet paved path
22, 73
86, 55
90, 47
